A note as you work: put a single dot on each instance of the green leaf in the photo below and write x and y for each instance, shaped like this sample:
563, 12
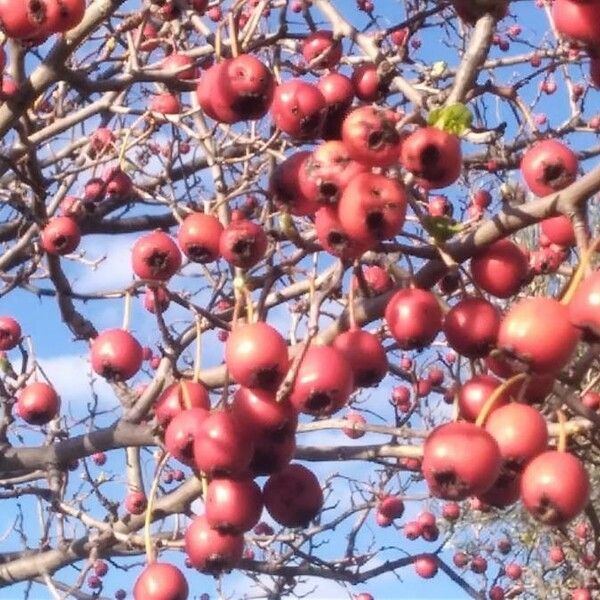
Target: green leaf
441, 229
456, 118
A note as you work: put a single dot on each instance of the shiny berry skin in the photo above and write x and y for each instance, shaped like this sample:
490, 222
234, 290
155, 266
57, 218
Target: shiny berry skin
471, 327
474, 393
182, 431
256, 355
210, 550
538, 332
414, 318
433, 156
155, 256
460, 460
584, 308
10, 333
136, 502
116, 355
61, 236
555, 487
233, 505
38, 403
161, 581
559, 230
426, 566
365, 355
549, 166
180, 396
323, 383
321, 51
199, 236
370, 136
243, 243
372, 208
354, 418
500, 269
223, 445
299, 109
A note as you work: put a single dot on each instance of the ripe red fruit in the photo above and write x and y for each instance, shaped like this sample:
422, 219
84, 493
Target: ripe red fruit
549, 166
460, 460
23, 20
161, 581
181, 432
243, 243
372, 208
250, 88
414, 318
451, 511
61, 236
521, 433
433, 156
135, 503
156, 299
368, 86
576, 20
100, 568
223, 445
101, 139
333, 237
272, 454
118, 183
338, 92
413, 530
471, 327
321, 51
354, 418
233, 506
538, 332
116, 355
581, 594
382, 520
299, 109
180, 65
426, 566
174, 399
364, 596
261, 413
556, 554
474, 393
287, 188
165, 103
591, 400
500, 269
199, 236
293, 497
63, 15
323, 382
10, 333
155, 256
370, 136
513, 571
460, 559
377, 280
391, 506
365, 355
327, 172
210, 550
504, 493
555, 487
584, 307
559, 230
99, 458
38, 403
256, 355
